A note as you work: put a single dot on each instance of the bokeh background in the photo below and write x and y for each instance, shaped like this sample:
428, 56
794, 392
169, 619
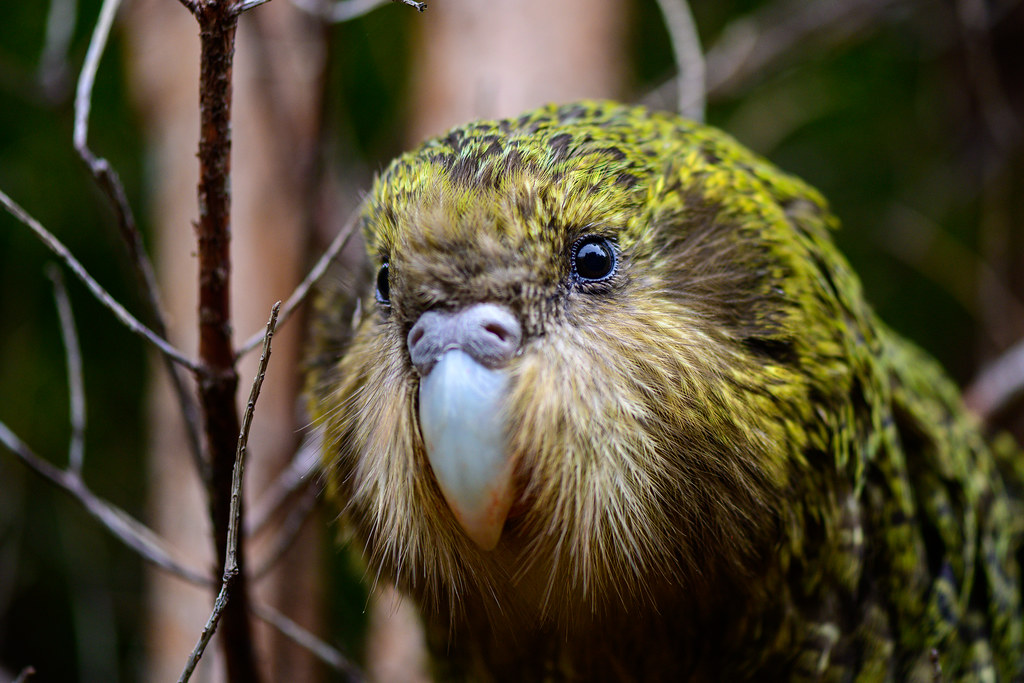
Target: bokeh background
907, 114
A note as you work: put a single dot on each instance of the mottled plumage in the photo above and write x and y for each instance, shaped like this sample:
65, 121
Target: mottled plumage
724, 466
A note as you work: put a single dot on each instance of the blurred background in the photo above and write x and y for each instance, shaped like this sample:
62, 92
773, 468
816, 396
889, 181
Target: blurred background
907, 114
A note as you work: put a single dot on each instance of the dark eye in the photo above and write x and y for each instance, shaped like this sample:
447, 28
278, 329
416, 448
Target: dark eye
593, 259
383, 287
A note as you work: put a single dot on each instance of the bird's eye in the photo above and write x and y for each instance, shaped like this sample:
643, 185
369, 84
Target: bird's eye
593, 259
383, 287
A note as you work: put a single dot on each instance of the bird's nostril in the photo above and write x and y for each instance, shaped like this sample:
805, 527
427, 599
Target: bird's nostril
490, 334
415, 335
498, 331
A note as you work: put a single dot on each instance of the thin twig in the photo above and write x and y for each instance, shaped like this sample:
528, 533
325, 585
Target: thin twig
248, 5
110, 183
126, 318
749, 47
52, 72
83, 94
302, 637
994, 107
211, 624
342, 10
24, 675
231, 568
1000, 384
294, 477
300, 293
682, 31
924, 245
126, 528
76, 386
289, 532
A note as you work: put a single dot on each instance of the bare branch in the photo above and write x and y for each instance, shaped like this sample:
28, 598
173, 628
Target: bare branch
290, 530
218, 390
250, 406
924, 245
24, 675
302, 637
231, 567
248, 5
342, 10
996, 112
682, 31
126, 528
294, 477
749, 45
126, 318
76, 386
83, 94
211, 624
1000, 384
110, 183
300, 293
52, 72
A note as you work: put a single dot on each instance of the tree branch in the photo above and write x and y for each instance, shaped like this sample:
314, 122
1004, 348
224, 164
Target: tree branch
232, 566
110, 183
293, 478
123, 526
290, 530
25, 674
682, 31
76, 386
995, 110
87, 77
218, 388
340, 11
302, 291
52, 72
924, 245
999, 384
302, 637
126, 318
749, 46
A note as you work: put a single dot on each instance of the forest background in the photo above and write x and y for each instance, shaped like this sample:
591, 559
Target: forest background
907, 114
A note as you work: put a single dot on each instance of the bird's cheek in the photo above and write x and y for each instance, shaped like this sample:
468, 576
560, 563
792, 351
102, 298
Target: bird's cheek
462, 419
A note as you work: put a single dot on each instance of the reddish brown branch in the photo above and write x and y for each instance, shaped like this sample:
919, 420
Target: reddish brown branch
217, 390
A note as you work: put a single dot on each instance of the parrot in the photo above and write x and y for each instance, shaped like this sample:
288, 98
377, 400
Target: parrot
612, 406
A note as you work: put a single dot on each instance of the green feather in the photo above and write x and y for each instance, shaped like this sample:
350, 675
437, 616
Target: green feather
729, 467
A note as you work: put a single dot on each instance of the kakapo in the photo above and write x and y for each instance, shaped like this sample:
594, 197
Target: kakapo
614, 407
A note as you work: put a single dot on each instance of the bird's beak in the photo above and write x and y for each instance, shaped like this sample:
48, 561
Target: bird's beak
462, 421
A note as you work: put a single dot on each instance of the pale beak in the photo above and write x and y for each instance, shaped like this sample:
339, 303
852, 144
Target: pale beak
462, 420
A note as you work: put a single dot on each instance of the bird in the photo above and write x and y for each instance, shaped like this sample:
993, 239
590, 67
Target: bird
613, 407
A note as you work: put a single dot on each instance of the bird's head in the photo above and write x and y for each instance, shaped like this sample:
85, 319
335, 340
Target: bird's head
576, 384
